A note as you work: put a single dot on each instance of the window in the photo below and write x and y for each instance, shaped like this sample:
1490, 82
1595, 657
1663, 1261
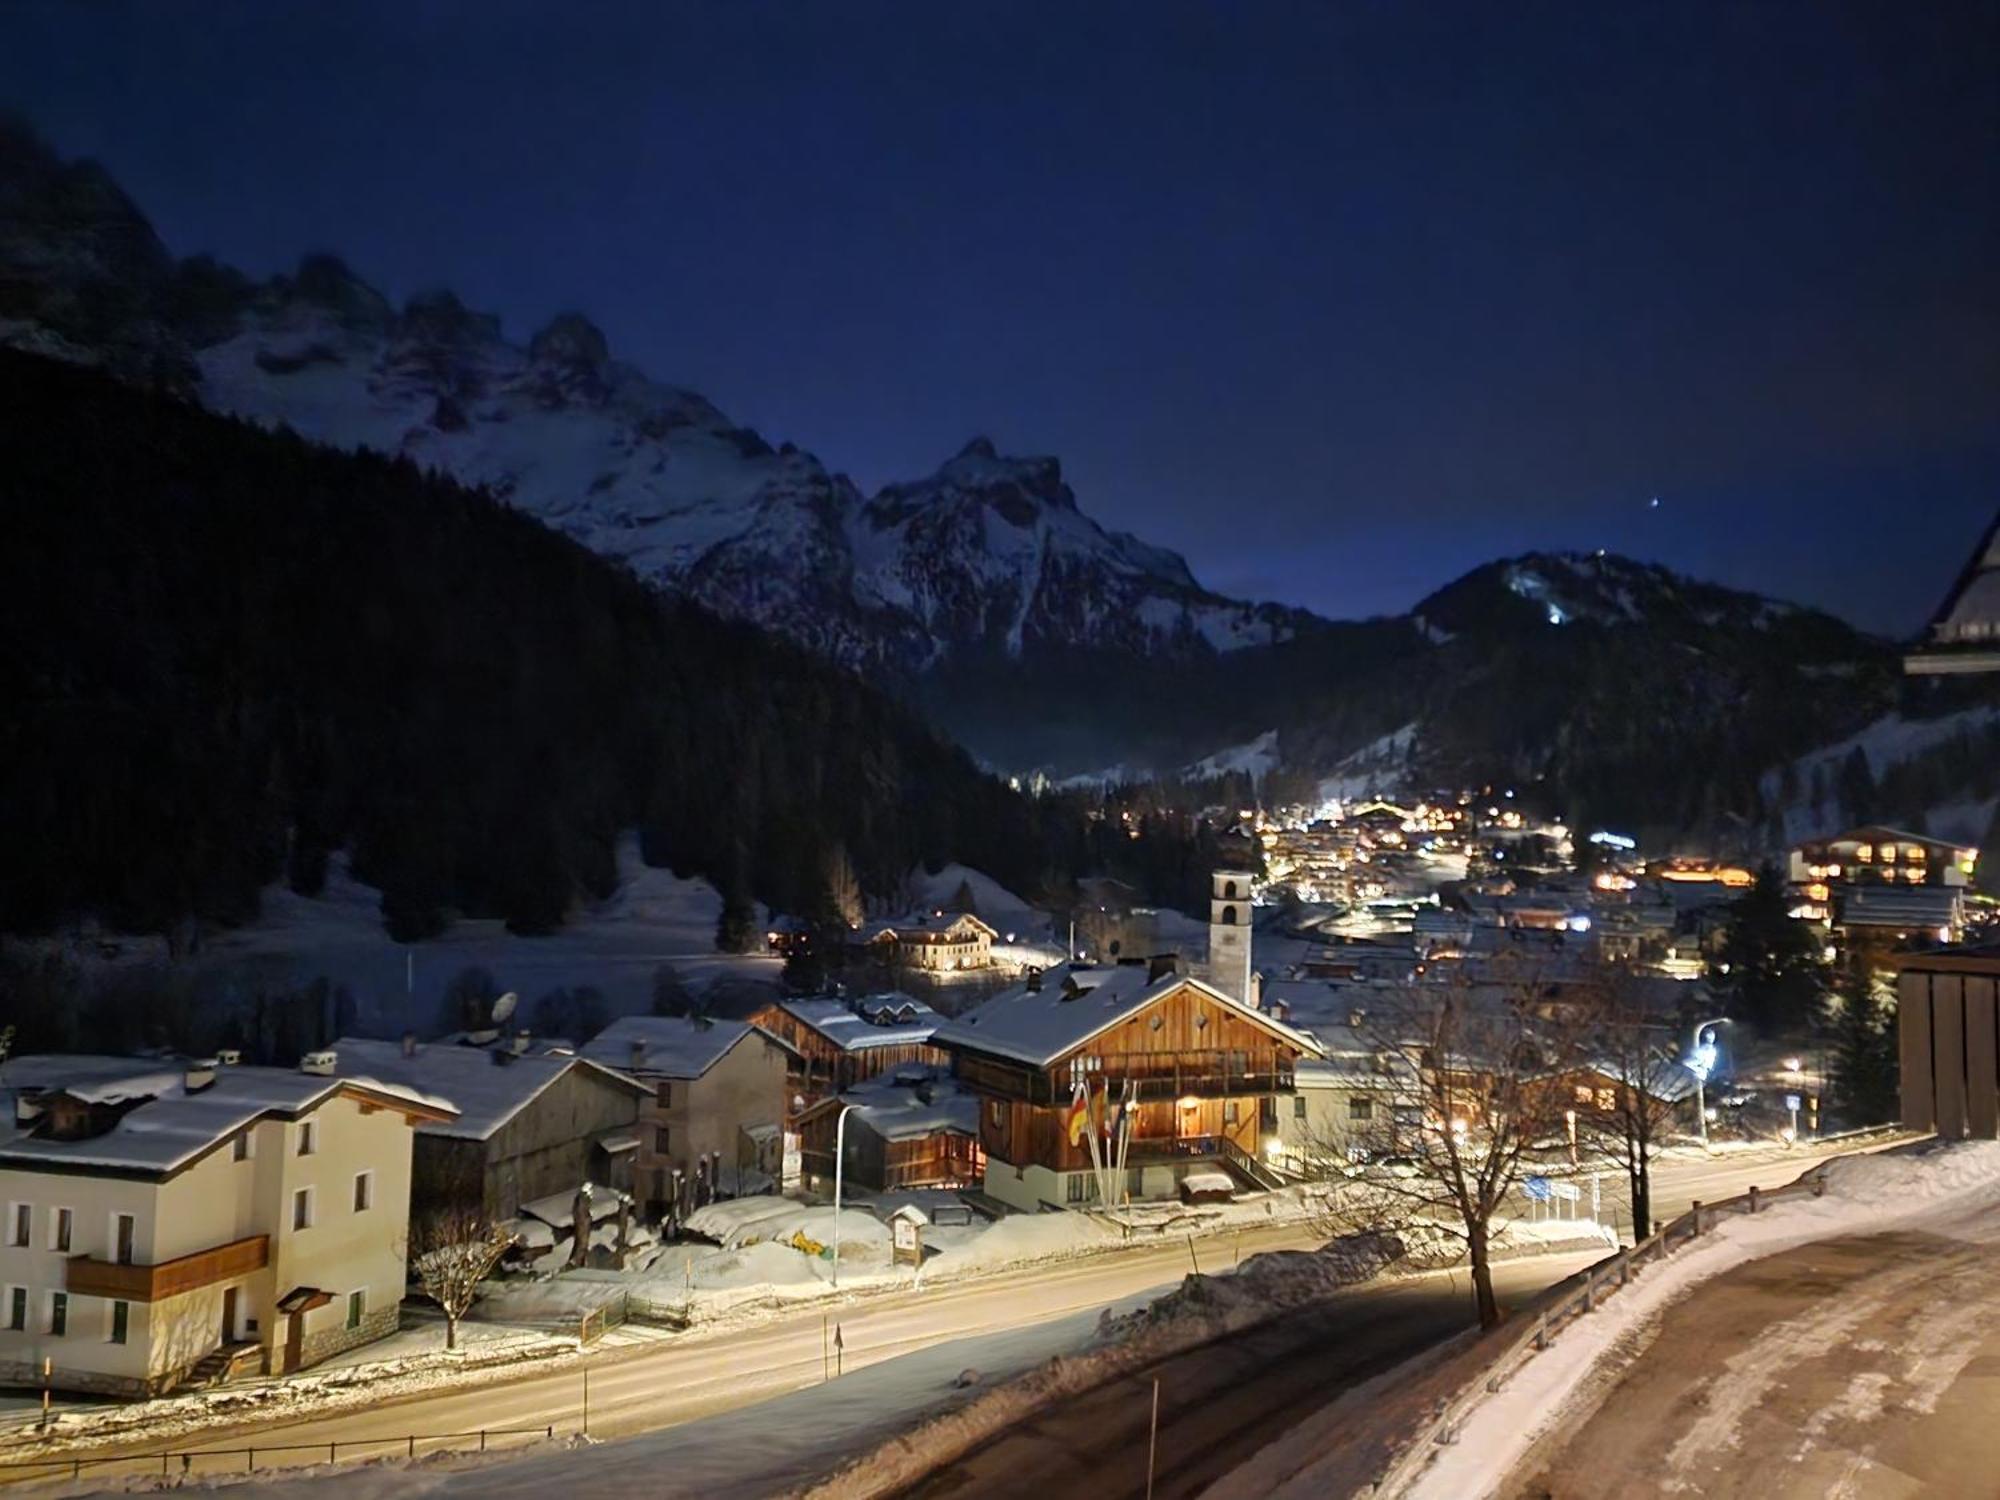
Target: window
662, 1141
357, 1308
993, 1113
1360, 1109
122, 1228
1298, 1106
121, 1321
1583, 1093
239, 1148
308, 1137
302, 1208
1229, 1115
1076, 1186
1228, 916
17, 1308
21, 1225
663, 1094
62, 1226
364, 1191
58, 1314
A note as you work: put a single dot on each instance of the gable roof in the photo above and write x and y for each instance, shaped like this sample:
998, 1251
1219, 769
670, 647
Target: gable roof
892, 1020
1039, 1025
673, 1046
488, 1087
166, 1129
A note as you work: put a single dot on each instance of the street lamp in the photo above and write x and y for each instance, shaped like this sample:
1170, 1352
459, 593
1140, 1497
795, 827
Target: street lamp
839, 1162
1701, 1062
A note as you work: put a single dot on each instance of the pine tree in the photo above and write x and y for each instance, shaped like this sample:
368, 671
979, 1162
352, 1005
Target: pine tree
1865, 1067
1768, 968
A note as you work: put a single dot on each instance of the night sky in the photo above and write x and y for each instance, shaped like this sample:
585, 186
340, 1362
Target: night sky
1337, 300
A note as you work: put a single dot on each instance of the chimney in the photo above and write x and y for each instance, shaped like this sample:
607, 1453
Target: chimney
1280, 1011
522, 1041
409, 1044
1161, 966
1355, 1018
638, 1052
27, 1110
229, 1057
1034, 980
321, 1063
200, 1075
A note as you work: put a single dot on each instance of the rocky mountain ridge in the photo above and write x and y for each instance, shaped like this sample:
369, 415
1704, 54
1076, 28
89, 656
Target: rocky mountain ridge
987, 555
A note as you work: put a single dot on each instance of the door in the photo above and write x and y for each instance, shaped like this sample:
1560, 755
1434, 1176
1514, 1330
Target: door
229, 1315
295, 1341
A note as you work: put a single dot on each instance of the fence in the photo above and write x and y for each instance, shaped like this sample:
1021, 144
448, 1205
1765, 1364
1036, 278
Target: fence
1531, 1330
189, 1461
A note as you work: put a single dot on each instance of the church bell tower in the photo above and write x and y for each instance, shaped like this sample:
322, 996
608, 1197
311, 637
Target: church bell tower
1229, 934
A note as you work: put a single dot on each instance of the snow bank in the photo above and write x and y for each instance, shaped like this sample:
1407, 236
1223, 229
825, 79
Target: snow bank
805, 1227
1888, 1190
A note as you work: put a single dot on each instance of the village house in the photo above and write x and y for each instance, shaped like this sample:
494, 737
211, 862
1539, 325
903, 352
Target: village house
939, 943
1211, 1076
714, 1108
1341, 1100
531, 1122
836, 1043
169, 1224
913, 1127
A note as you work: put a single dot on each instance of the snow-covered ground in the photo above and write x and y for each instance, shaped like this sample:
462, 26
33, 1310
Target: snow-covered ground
1896, 1190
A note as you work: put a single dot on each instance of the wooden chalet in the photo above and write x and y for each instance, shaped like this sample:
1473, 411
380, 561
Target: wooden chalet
1208, 1072
837, 1043
910, 1128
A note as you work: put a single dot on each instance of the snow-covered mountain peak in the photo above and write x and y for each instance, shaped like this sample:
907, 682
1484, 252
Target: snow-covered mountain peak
990, 553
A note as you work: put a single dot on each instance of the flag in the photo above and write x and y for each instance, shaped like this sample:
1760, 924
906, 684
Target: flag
1079, 1117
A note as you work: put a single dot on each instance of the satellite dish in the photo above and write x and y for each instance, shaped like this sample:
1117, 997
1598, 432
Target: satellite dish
503, 1008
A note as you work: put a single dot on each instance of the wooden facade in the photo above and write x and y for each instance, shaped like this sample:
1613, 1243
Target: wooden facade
1207, 1078
822, 1066
87, 1276
942, 1158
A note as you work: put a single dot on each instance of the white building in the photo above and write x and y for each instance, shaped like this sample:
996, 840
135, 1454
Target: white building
167, 1221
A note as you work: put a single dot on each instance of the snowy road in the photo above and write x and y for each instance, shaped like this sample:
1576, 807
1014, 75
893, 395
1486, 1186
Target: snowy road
1867, 1365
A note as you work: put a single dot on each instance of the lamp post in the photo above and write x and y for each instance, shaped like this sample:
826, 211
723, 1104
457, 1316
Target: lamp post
1701, 1063
839, 1163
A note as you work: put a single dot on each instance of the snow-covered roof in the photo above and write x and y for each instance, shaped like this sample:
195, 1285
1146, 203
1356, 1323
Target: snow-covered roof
1038, 1022
488, 1086
874, 1021
1899, 906
165, 1128
903, 1108
665, 1046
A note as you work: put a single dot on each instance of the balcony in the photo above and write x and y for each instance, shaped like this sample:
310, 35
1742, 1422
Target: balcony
89, 1277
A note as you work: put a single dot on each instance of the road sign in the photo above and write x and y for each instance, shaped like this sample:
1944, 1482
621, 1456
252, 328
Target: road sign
1791, 1101
1567, 1190
1536, 1188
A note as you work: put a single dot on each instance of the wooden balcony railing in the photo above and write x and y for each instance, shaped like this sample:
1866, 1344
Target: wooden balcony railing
91, 1277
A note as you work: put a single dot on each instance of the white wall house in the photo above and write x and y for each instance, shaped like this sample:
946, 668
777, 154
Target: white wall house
161, 1223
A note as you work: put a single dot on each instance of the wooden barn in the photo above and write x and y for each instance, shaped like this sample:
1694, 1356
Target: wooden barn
1207, 1073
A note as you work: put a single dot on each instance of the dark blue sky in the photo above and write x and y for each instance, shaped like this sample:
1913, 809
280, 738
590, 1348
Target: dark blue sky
1337, 300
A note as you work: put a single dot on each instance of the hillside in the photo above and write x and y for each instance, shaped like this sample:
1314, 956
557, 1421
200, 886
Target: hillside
230, 653
982, 594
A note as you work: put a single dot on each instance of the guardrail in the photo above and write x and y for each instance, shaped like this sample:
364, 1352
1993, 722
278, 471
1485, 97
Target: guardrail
28, 1470
1532, 1329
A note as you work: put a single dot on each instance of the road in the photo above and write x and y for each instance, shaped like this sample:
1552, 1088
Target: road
686, 1378
1221, 1402
1866, 1366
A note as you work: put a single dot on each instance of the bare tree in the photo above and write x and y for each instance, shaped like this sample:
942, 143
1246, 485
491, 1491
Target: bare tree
451, 1254
1626, 1097
1470, 1114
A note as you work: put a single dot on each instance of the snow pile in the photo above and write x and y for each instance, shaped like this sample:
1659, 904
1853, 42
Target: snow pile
1263, 1285
1024, 1237
1880, 1191
805, 1227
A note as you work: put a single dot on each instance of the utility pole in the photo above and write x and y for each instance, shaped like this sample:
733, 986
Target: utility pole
1153, 1438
